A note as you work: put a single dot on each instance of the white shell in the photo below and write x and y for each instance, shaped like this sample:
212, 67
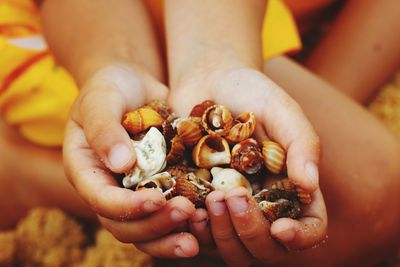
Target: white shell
227, 179
208, 155
150, 157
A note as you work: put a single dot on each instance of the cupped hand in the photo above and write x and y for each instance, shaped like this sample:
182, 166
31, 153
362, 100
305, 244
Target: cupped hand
238, 228
96, 145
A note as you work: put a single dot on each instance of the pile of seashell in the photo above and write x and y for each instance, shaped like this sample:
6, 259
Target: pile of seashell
209, 150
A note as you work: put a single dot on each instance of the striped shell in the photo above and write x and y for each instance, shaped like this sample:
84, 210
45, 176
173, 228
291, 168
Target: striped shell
198, 110
141, 119
274, 156
227, 179
176, 151
303, 196
189, 130
211, 151
193, 188
162, 181
246, 157
217, 120
244, 127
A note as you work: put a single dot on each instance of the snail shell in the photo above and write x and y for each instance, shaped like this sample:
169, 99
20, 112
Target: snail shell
193, 188
246, 157
227, 179
274, 156
243, 129
217, 120
211, 151
176, 152
141, 119
162, 181
161, 107
150, 157
303, 196
189, 130
198, 110
279, 209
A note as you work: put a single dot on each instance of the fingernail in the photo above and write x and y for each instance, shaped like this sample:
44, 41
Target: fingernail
286, 235
312, 173
238, 205
179, 252
151, 206
119, 156
200, 225
178, 215
217, 208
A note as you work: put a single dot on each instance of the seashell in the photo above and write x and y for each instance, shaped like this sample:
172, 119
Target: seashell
246, 157
217, 120
303, 196
161, 107
244, 127
203, 174
162, 181
150, 158
279, 209
176, 152
227, 179
189, 130
141, 119
198, 110
274, 156
211, 151
194, 188
179, 170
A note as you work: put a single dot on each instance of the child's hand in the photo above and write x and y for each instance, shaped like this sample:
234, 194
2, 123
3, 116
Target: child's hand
243, 229
96, 143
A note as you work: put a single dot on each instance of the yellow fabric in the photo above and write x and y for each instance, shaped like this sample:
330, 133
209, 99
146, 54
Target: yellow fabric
36, 94
279, 34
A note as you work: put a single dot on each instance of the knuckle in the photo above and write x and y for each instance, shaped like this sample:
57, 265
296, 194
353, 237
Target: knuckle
223, 235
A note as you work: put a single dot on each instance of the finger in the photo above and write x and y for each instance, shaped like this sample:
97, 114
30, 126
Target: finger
179, 245
251, 227
306, 232
199, 227
98, 187
225, 237
158, 224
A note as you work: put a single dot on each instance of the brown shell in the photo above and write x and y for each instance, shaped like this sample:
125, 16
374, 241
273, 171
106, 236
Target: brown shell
161, 181
193, 188
246, 157
211, 151
141, 119
303, 196
244, 127
168, 131
198, 110
176, 152
161, 107
204, 174
274, 156
179, 170
217, 120
189, 130
280, 209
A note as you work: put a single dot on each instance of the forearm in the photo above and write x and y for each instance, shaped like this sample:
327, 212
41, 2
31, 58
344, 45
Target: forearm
203, 33
87, 35
362, 49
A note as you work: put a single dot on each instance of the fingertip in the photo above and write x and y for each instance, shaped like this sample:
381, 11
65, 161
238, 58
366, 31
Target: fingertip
121, 157
284, 230
186, 246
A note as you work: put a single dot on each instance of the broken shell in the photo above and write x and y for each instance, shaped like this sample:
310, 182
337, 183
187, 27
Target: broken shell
141, 119
176, 152
227, 179
150, 157
274, 156
246, 157
211, 151
203, 174
162, 181
189, 130
217, 120
193, 188
198, 110
243, 129
161, 107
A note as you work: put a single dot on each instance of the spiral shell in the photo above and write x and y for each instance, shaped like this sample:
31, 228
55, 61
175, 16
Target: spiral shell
141, 119
217, 120
246, 157
244, 127
189, 130
161, 107
211, 151
303, 196
278, 209
198, 110
176, 152
227, 179
150, 158
274, 156
162, 181
193, 188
